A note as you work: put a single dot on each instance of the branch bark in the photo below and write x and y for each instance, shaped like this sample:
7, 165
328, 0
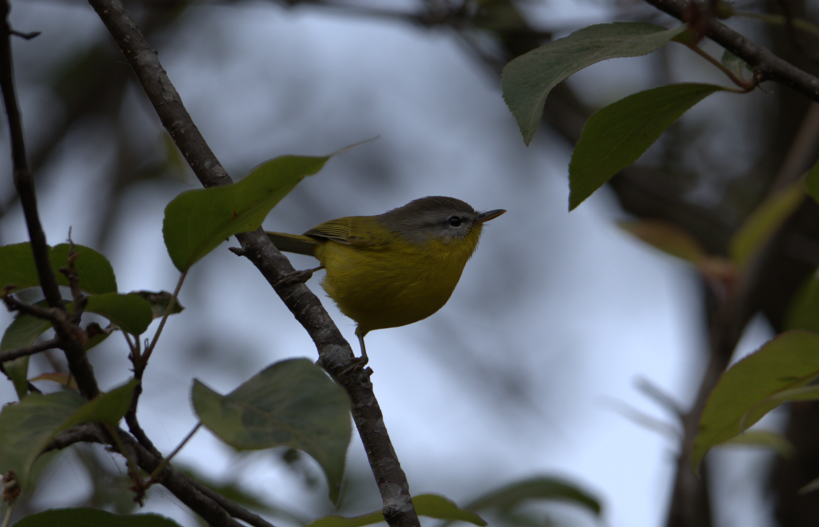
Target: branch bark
67, 332
333, 349
766, 65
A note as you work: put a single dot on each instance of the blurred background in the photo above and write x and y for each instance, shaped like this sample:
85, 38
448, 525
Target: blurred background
534, 367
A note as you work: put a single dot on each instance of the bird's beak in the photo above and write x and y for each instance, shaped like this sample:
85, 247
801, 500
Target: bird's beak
489, 215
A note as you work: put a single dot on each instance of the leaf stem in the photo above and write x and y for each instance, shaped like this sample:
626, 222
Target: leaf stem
155, 474
7, 519
150, 348
745, 85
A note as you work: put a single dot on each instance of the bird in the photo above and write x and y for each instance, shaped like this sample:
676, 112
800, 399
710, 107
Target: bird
394, 268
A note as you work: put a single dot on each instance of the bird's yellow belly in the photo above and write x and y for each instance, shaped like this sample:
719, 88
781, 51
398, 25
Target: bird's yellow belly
388, 288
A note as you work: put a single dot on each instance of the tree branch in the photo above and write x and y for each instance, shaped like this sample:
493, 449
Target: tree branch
333, 349
766, 65
31, 350
69, 334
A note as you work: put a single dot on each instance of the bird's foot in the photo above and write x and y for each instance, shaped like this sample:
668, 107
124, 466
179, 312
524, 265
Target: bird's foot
298, 277
356, 364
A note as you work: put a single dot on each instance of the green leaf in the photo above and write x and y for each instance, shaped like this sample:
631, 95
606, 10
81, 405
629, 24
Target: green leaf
21, 333
109, 407
87, 517
130, 312
734, 64
812, 182
541, 488
94, 270
764, 222
28, 426
803, 313
435, 506
764, 438
528, 79
17, 267
197, 221
666, 237
616, 136
159, 302
291, 403
430, 505
754, 386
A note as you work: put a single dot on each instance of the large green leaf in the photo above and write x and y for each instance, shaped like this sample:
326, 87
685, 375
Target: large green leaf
430, 505
27, 427
528, 79
131, 313
291, 403
21, 333
757, 384
87, 517
617, 135
197, 221
765, 221
541, 488
95, 272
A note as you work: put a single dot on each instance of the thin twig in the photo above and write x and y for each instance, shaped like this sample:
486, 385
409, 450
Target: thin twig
84, 433
69, 335
155, 474
168, 310
234, 510
766, 65
12, 304
179, 484
31, 350
745, 85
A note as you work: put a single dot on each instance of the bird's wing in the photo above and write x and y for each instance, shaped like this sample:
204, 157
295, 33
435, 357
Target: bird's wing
355, 230
294, 243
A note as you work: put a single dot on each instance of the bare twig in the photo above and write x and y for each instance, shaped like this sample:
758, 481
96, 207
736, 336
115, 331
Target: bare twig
155, 474
24, 183
84, 433
179, 484
234, 510
31, 350
766, 65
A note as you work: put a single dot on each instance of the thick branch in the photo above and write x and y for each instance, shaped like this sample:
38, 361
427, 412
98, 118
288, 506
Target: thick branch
766, 65
333, 349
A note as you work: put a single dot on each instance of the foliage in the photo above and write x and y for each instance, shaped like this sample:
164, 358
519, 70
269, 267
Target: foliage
293, 403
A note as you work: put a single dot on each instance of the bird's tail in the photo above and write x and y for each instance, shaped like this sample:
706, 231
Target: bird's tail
293, 243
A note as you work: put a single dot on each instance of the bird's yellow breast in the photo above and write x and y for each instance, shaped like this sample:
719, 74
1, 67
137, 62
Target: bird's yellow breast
393, 284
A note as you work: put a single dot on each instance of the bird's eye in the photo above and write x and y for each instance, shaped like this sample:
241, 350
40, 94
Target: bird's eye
455, 221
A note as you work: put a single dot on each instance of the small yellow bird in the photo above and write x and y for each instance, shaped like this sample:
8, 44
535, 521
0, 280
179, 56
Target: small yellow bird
396, 268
